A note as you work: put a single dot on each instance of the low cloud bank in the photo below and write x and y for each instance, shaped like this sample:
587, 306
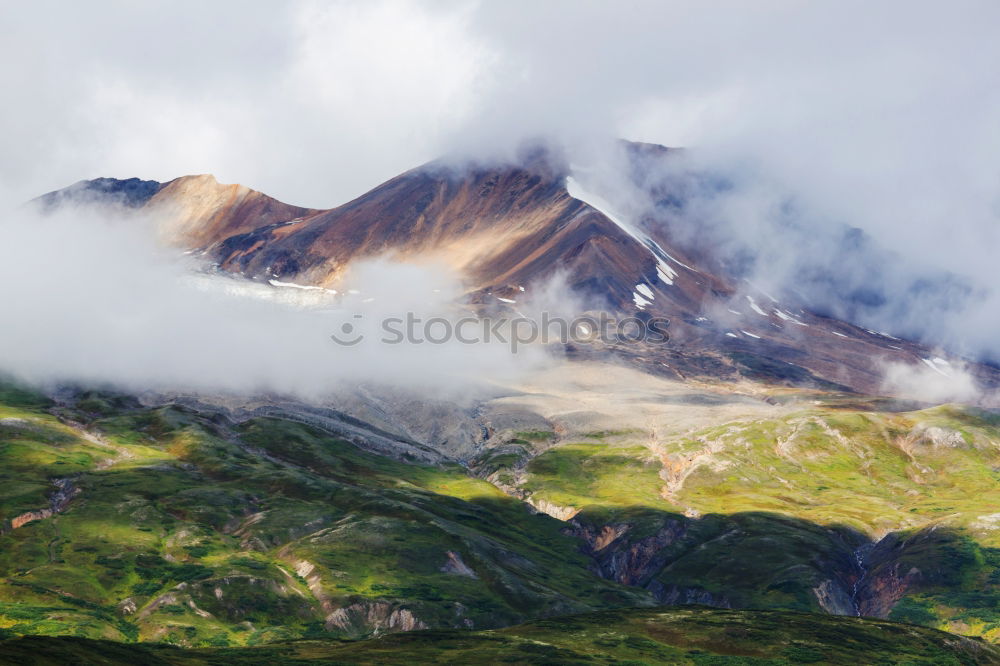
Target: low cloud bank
935, 381
86, 295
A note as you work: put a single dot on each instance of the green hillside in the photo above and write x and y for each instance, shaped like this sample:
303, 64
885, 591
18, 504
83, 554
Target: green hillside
189, 531
697, 636
845, 505
170, 525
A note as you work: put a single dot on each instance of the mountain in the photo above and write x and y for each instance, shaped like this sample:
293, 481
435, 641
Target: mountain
192, 210
507, 229
746, 470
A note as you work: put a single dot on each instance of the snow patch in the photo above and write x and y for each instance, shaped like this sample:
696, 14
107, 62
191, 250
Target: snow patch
645, 291
788, 317
756, 308
749, 334
663, 270
305, 287
506, 300
769, 296
665, 273
937, 367
838, 334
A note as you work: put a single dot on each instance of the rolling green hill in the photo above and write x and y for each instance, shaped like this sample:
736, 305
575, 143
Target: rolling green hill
171, 525
844, 505
190, 531
696, 636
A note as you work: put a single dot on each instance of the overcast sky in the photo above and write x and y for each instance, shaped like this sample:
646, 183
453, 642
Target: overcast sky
315, 102
883, 115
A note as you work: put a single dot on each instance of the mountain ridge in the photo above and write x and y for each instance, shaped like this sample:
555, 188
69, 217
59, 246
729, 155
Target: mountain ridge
509, 228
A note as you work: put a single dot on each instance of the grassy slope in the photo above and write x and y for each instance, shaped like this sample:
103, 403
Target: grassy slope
654, 636
188, 532
867, 470
783, 503
192, 532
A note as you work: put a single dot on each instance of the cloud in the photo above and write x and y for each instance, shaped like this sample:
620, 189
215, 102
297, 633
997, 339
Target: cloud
311, 102
934, 382
876, 116
89, 297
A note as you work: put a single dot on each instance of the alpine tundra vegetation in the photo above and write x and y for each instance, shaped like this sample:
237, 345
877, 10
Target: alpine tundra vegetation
466, 332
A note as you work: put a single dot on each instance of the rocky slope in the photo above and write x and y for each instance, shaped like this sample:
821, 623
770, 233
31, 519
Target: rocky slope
508, 229
192, 211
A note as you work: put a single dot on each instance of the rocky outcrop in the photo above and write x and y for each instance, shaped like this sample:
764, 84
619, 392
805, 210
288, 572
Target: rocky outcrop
307, 571
627, 561
939, 438
66, 490
882, 591
167, 599
366, 618
28, 517
554, 510
672, 595
834, 597
902, 564
887, 576
455, 565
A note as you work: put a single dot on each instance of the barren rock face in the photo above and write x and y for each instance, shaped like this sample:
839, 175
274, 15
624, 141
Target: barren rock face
366, 618
941, 438
509, 229
197, 211
630, 562
455, 565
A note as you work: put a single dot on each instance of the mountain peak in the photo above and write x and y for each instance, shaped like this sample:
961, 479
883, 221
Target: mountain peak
129, 192
508, 226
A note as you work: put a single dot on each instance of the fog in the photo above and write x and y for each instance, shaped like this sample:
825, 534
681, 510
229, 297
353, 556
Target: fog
817, 117
935, 383
782, 241
89, 297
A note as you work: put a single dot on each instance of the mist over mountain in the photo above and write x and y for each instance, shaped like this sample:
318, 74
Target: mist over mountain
901, 139
767, 234
639, 233
468, 332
